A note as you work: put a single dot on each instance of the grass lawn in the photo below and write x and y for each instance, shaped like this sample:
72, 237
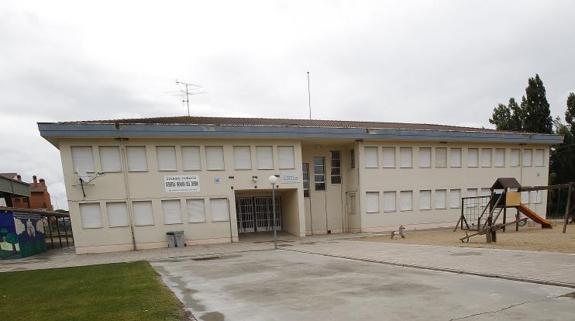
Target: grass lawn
111, 292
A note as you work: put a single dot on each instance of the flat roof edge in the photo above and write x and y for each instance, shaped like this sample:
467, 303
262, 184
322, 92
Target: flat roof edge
54, 131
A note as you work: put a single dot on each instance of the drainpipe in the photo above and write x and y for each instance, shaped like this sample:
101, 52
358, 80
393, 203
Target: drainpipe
128, 199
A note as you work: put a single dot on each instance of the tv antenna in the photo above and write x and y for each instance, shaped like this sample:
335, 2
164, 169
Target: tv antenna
85, 179
187, 90
308, 95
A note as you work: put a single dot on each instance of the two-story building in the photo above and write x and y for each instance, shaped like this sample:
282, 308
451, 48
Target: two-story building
129, 181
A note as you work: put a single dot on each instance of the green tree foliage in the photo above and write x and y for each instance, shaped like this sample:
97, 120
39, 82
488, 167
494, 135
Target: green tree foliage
570, 113
533, 115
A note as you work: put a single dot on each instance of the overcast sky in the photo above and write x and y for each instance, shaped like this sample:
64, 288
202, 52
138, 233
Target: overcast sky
447, 62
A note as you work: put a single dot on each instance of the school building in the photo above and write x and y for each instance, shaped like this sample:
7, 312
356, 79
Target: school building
129, 181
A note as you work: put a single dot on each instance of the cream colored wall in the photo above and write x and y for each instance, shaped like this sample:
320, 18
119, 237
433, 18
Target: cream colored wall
146, 186
415, 179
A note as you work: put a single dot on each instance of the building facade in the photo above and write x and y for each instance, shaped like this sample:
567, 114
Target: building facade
130, 181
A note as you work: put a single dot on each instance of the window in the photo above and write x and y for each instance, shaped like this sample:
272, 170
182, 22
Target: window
454, 198
424, 157
143, 213
440, 198
83, 159
455, 157
215, 158
319, 173
405, 200
471, 192
110, 159
242, 157
117, 214
388, 157
264, 157
525, 197
527, 157
441, 157
372, 202
499, 160
539, 157
137, 160
220, 209
172, 211
191, 158
305, 178
196, 210
91, 217
425, 200
335, 167
166, 158
389, 201
486, 157
352, 159
371, 158
535, 197
405, 155
515, 157
286, 157
486, 191
472, 157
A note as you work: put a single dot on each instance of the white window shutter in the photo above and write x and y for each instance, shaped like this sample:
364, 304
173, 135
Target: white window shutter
117, 214
525, 197
264, 157
499, 159
143, 213
425, 157
215, 158
486, 157
191, 158
539, 157
371, 157
137, 160
441, 157
372, 202
83, 159
472, 157
440, 198
242, 157
389, 200
91, 217
196, 210
515, 157
406, 200
455, 157
527, 157
406, 157
425, 200
166, 158
220, 209
286, 157
172, 211
388, 157
110, 159
455, 198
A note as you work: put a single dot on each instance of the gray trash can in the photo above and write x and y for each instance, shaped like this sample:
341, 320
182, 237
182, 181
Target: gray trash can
179, 238
171, 239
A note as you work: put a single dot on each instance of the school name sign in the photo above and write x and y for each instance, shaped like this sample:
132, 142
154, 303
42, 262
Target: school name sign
181, 183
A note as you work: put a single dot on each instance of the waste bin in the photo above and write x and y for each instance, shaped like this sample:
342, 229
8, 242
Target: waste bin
171, 239
179, 237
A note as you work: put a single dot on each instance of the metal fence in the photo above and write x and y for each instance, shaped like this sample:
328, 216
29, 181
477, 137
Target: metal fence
471, 209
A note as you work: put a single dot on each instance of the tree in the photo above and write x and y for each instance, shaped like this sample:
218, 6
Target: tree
507, 117
535, 108
570, 113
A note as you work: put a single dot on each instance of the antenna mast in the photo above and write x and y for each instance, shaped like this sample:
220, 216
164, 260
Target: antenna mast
308, 95
189, 89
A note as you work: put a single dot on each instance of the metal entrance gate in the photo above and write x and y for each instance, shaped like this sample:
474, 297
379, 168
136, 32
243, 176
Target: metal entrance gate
255, 214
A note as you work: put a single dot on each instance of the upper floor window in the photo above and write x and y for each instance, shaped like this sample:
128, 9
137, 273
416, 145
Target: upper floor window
264, 157
319, 173
335, 167
137, 160
515, 157
110, 160
83, 159
191, 158
425, 157
472, 157
527, 157
455, 157
371, 157
286, 157
215, 158
406, 157
166, 158
499, 159
388, 157
352, 158
441, 157
242, 157
539, 157
305, 178
486, 154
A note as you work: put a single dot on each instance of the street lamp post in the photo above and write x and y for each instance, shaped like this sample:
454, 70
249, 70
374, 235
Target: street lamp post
273, 180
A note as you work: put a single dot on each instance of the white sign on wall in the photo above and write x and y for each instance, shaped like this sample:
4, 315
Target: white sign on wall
181, 183
289, 178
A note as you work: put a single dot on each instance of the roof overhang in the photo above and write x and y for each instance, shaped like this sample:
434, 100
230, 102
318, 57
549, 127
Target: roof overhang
55, 131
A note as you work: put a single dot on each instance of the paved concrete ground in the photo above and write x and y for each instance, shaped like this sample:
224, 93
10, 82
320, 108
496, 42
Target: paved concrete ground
288, 285
544, 267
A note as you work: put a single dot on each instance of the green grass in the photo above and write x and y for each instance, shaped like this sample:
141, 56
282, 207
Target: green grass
123, 291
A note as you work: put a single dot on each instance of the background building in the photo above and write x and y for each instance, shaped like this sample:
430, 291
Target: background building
37, 196
130, 181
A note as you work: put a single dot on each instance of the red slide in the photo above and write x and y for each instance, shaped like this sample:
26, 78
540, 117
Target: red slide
534, 216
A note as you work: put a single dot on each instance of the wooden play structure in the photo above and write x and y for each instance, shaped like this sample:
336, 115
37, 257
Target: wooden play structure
505, 194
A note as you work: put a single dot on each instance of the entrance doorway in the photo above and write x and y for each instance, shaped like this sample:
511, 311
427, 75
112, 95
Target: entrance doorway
255, 214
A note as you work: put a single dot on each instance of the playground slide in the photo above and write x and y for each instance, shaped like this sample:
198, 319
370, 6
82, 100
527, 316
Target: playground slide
534, 216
